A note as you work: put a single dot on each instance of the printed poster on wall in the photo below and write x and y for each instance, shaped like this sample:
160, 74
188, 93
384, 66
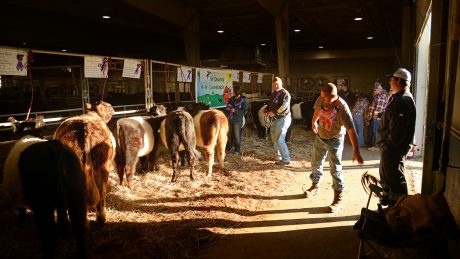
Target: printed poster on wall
235, 75
96, 66
184, 74
13, 62
132, 68
246, 77
213, 87
260, 78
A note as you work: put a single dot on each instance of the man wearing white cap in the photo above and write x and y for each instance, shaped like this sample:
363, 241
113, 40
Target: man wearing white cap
395, 133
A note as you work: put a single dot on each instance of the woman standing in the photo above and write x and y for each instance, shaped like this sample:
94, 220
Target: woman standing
237, 107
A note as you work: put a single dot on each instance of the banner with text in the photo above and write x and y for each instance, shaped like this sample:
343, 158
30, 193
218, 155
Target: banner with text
213, 87
13, 62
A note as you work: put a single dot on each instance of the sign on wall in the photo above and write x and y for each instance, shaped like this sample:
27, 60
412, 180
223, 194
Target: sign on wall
213, 87
13, 62
235, 75
246, 77
132, 68
96, 67
184, 74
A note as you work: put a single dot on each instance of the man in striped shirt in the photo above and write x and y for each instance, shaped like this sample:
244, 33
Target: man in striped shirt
376, 110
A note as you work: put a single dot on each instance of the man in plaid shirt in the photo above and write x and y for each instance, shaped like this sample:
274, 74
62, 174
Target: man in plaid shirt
376, 110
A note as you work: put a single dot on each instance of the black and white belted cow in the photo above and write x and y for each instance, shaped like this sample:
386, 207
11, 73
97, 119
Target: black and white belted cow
137, 139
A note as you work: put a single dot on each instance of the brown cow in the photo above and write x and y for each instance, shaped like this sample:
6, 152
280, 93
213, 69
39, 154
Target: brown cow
211, 128
90, 138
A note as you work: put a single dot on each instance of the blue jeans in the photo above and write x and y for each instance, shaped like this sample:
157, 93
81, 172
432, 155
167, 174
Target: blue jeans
375, 124
358, 120
278, 132
321, 148
234, 136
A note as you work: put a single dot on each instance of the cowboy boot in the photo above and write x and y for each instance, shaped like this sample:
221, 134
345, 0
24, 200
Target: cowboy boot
312, 191
337, 204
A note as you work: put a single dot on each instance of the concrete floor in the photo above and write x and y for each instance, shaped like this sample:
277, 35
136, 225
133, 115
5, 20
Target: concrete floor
296, 227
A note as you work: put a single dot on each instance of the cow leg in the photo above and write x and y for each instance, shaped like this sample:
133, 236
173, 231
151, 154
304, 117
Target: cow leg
102, 176
191, 158
183, 155
44, 217
144, 161
210, 159
175, 164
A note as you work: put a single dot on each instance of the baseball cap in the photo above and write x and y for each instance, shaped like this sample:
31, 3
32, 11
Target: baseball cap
402, 73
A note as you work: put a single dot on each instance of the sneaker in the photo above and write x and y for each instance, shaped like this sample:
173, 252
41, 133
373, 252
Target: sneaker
373, 149
281, 162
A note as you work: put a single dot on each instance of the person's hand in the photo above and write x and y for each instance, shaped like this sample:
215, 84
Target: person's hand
271, 114
314, 127
356, 156
233, 110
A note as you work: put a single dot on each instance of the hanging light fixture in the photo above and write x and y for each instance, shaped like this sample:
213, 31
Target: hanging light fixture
220, 29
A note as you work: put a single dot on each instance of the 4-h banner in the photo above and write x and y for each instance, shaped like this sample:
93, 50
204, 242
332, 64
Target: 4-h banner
13, 62
213, 87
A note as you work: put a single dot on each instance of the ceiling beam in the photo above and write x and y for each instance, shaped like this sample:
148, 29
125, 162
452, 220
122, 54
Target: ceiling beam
342, 54
173, 11
275, 7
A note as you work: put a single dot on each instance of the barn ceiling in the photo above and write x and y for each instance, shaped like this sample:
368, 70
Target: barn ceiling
154, 29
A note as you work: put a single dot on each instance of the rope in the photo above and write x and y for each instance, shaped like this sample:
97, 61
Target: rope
109, 65
166, 70
29, 71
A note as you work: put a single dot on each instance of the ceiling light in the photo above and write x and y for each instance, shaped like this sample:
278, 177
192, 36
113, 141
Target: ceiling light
105, 17
370, 37
358, 18
320, 47
24, 43
263, 44
296, 30
64, 50
220, 29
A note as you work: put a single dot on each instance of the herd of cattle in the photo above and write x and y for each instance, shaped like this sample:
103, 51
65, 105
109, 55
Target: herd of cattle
70, 173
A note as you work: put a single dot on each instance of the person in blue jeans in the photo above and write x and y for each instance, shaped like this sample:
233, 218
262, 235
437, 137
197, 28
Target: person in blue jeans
237, 107
332, 118
359, 112
279, 111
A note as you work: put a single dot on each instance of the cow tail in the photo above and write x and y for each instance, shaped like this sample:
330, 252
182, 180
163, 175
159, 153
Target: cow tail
189, 142
92, 191
222, 134
120, 154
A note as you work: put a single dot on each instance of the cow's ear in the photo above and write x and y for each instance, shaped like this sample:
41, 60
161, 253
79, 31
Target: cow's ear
88, 106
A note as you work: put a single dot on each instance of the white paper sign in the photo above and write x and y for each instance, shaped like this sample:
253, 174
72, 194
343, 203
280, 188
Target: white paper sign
184, 74
235, 75
96, 66
132, 68
246, 77
260, 78
13, 62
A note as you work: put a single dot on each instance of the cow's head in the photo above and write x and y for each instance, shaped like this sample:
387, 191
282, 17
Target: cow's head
103, 109
194, 108
158, 110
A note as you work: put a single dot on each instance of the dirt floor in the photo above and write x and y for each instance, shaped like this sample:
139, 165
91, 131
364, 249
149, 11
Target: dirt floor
252, 209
